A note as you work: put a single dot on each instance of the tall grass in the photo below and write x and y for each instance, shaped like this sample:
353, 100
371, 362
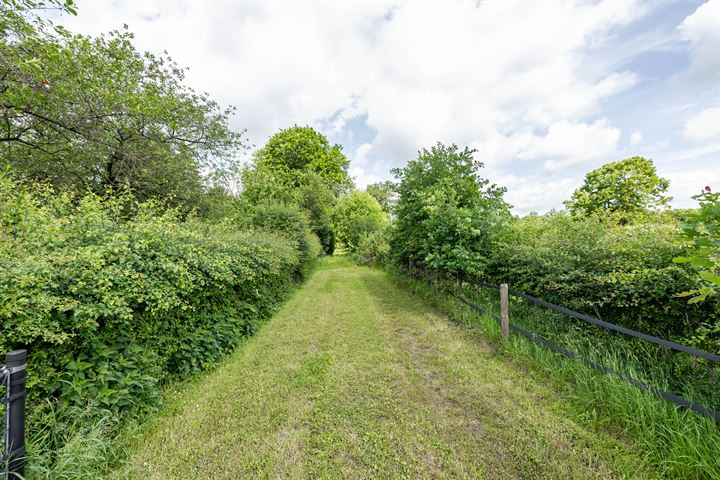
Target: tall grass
680, 442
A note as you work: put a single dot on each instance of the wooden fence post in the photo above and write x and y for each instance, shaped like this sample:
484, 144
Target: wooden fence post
504, 314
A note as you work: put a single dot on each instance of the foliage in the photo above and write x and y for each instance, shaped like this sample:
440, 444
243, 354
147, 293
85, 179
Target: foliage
291, 222
446, 214
374, 248
302, 149
318, 199
356, 215
265, 185
702, 229
112, 296
384, 193
18, 20
298, 166
621, 273
95, 113
625, 189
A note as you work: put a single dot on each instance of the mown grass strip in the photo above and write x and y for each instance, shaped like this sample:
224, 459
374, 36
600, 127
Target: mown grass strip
356, 377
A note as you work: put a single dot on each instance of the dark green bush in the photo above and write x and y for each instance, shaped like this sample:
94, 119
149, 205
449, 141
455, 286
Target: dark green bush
112, 297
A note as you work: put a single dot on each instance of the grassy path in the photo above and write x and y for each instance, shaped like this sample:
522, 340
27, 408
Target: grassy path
357, 378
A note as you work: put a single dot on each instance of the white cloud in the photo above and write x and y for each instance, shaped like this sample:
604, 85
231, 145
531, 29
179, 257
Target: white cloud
360, 157
702, 31
492, 75
362, 178
433, 72
636, 138
536, 193
565, 144
685, 183
568, 144
704, 125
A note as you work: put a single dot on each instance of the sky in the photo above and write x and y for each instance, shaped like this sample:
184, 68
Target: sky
545, 91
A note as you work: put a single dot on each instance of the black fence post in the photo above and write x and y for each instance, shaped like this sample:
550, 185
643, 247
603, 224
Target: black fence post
16, 377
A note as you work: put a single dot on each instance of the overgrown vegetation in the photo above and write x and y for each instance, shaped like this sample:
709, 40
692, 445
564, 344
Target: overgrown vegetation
357, 378
113, 297
127, 265
678, 442
135, 250
617, 256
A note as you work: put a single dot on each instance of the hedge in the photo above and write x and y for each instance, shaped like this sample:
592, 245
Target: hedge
622, 274
112, 297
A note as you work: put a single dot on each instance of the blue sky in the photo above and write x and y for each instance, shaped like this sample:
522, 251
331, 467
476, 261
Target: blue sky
546, 91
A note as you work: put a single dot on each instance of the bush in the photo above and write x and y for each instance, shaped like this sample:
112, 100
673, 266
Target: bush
356, 215
446, 215
374, 248
622, 274
292, 222
112, 297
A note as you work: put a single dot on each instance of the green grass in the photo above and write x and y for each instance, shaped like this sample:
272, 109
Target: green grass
680, 443
357, 377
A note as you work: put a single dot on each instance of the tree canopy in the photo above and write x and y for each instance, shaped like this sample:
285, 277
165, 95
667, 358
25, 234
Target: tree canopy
625, 188
384, 193
446, 214
298, 166
303, 149
355, 216
92, 113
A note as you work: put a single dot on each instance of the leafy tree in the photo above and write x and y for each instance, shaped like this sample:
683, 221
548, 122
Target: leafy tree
264, 185
355, 216
18, 18
93, 113
623, 189
298, 166
297, 150
446, 215
702, 229
384, 193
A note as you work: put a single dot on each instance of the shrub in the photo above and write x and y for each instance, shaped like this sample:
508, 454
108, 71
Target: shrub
447, 215
292, 222
374, 248
622, 274
356, 215
112, 297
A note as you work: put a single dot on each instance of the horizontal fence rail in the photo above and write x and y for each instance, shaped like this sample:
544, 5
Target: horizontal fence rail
678, 400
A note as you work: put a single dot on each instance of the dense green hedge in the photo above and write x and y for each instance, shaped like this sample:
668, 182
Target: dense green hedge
111, 297
622, 274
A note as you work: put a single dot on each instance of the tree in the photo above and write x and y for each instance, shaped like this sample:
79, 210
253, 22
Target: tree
299, 166
18, 19
623, 189
355, 216
94, 113
446, 215
302, 149
384, 193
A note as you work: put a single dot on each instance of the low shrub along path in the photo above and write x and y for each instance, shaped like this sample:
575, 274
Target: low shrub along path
355, 377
